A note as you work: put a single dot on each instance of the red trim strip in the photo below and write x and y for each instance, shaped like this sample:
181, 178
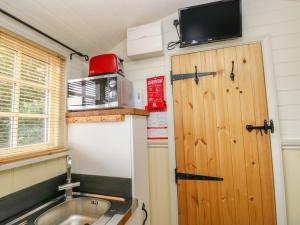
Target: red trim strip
158, 138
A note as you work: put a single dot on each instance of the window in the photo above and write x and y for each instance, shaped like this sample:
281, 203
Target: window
32, 87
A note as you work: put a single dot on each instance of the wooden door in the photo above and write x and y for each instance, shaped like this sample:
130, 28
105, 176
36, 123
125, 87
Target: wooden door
211, 138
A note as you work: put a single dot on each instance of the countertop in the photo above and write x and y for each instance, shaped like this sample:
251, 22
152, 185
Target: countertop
103, 115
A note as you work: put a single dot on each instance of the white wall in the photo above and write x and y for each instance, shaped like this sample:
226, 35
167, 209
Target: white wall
102, 149
78, 68
75, 68
159, 185
16, 179
292, 181
277, 19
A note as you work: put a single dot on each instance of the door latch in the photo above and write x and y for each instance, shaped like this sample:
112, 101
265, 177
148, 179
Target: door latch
266, 127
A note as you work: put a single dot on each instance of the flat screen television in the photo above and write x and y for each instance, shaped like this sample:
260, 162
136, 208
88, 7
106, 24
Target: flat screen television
210, 22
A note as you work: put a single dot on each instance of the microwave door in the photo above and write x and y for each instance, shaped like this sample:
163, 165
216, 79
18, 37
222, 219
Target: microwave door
98, 91
75, 97
89, 91
101, 92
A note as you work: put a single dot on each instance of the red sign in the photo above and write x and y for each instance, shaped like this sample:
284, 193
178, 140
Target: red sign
156, 93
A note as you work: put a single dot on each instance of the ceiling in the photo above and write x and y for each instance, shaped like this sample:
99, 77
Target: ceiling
91, 26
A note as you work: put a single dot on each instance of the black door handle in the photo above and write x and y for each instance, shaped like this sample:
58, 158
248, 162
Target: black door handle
232, 75
146, 213
266, 127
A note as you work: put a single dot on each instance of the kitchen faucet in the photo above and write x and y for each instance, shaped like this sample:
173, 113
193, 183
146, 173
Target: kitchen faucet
68, 187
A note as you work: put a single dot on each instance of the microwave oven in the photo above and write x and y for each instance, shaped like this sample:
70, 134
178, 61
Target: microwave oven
99, 92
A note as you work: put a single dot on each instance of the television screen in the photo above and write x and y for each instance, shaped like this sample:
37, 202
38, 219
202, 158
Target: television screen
210, 22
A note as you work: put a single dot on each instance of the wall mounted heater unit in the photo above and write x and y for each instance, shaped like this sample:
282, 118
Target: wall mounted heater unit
145, 41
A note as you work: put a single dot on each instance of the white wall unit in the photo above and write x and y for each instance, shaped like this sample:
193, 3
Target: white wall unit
116, 149
102, 149
145, 41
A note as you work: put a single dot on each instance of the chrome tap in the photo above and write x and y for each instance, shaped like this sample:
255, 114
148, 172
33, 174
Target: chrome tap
68, 187
69, 167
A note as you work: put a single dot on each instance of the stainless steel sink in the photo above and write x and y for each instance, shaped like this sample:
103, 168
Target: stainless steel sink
77, 211
81, 209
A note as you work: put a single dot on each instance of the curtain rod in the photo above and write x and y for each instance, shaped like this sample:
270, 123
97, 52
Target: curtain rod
74, 52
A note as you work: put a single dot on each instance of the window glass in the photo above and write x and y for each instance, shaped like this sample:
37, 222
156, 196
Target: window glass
31, 97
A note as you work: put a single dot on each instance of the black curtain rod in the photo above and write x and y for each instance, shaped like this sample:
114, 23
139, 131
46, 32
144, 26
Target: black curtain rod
86, 57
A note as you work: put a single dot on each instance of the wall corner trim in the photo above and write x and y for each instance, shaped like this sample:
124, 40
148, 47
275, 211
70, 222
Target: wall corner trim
25, 162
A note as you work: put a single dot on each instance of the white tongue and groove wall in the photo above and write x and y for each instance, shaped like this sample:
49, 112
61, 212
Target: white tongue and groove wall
277, 20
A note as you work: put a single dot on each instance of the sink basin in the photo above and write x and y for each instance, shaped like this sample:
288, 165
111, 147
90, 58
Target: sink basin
77, 211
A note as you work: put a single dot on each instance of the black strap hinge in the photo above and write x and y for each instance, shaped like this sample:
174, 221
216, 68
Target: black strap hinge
195, 76
187, 176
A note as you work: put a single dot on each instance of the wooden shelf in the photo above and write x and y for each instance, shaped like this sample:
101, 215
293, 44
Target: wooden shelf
103, 115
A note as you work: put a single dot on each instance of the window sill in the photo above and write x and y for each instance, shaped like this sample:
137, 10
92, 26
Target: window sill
27, 159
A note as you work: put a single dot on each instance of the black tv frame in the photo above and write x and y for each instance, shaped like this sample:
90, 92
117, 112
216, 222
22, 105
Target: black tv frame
211, 39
